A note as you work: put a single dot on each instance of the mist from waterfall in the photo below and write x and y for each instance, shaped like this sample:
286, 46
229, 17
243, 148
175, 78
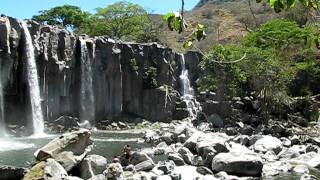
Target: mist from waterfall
87, 112
187, 91
33, 82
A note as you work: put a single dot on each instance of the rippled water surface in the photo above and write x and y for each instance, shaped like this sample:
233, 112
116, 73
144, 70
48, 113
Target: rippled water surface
19, 151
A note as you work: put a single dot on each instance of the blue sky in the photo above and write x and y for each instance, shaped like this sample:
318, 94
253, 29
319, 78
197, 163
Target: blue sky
23, 9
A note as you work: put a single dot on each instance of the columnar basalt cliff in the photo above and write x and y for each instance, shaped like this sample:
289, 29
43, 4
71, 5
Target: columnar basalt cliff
128, 79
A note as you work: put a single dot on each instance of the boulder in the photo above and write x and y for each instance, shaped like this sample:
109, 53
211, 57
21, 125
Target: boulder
314, 140
164, 177
267, 143
197, 161
303, 159
276, 168
138, 157
198, 141
238, 163
46, 170
314, 162
292, 152
186, 154
165, 166
12, 173
204, 170
312, 148
176, 158
215, 120
180, 113
301, 169
92, 165
144, 165
114, 171
68, 149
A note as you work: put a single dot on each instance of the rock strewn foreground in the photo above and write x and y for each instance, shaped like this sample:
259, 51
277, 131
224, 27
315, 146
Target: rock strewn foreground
180, 152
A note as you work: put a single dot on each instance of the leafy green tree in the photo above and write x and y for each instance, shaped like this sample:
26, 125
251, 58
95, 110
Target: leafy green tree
67, 16
276, 60
122, 20
279, 5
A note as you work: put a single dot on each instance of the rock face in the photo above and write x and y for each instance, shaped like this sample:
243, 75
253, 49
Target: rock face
128, 79
68, 149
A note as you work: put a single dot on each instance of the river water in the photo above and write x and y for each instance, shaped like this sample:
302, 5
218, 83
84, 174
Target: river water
19, 151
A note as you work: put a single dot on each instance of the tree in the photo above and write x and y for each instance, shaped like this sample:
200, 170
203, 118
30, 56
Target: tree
122, 20
66, 16
279, 5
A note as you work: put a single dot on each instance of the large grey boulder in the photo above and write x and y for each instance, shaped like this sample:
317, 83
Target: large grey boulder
46, 170
186, 154
138, 157
275, 168
92, 165
292, 152
267, 143
68, 149
176, 158
305, 159
238, 163
199, 141
144, 165
141, 161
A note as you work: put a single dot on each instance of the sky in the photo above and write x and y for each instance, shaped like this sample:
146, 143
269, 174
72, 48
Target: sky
25, 9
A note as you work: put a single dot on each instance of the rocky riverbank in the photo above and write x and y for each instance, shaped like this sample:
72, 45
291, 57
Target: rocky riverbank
180, 151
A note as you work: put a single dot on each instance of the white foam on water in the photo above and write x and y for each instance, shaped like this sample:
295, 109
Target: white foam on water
9, 145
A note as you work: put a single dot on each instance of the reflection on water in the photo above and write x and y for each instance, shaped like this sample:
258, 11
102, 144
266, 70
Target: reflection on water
19, 151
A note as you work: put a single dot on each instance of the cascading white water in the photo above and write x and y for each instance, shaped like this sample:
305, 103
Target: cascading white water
187, 91
86, 95
34, 89
2, 121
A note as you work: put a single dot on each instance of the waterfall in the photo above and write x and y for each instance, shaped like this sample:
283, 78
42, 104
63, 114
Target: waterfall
187, 91
34, 89
87, 112
2, 121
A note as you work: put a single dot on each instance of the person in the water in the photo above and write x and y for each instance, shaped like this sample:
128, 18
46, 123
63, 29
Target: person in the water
125, 158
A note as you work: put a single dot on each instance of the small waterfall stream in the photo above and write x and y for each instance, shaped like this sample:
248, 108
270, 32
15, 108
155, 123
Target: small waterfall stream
86, 95
33, 82
187, 91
